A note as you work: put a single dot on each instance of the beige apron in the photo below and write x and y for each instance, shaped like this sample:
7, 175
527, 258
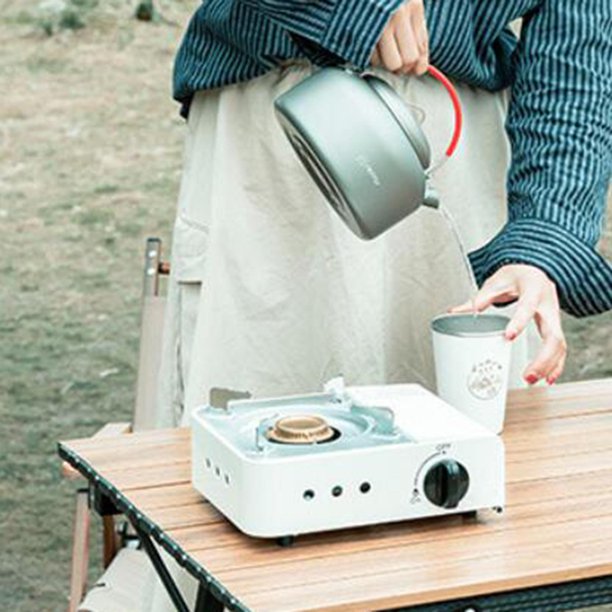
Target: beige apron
271, 293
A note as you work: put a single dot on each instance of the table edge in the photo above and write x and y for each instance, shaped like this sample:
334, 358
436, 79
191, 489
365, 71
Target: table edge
121, 502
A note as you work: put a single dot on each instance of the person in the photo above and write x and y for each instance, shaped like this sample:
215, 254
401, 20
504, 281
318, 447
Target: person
271, 294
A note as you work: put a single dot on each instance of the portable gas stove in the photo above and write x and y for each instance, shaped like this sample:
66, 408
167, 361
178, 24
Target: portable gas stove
343, 458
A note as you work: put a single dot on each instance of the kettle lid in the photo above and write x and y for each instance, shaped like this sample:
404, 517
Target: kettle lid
403, 116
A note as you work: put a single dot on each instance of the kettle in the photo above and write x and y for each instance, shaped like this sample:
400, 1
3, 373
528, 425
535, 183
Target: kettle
362, 145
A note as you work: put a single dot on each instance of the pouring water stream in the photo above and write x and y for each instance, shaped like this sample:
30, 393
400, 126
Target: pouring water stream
452, 224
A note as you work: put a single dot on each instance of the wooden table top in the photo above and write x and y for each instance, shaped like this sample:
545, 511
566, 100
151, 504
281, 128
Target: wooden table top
557, 525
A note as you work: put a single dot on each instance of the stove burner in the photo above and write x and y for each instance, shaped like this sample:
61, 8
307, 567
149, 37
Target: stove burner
302, 429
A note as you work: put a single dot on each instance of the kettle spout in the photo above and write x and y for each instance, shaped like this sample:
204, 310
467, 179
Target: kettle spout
431, 198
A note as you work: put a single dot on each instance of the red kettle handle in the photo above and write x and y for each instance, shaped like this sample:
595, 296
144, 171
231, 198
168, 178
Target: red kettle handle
452, 92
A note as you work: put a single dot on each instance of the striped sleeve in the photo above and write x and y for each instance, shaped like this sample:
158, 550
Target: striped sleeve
560, 129
348, 29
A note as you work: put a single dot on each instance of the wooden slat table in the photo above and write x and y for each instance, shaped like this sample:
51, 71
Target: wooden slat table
556, 529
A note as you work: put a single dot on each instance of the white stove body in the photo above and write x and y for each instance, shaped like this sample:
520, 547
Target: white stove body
367, 476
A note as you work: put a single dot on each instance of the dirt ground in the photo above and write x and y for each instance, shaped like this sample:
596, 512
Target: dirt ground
90, 155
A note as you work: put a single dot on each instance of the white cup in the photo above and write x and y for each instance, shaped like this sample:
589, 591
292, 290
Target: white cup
472, 359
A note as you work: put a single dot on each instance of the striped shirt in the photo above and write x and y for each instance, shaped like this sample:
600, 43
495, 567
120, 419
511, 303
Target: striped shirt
559, 120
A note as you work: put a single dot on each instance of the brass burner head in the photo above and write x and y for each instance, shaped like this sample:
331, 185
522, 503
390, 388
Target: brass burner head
300, 429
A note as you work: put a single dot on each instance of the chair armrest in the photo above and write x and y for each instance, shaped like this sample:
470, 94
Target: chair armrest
113, 429
107, 431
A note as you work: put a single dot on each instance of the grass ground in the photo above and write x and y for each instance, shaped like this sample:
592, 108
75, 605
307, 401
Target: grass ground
90, 154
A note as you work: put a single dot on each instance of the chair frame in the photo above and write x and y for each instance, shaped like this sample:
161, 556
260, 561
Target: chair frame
154, 268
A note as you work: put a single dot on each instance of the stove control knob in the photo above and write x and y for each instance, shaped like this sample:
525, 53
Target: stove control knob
446, 483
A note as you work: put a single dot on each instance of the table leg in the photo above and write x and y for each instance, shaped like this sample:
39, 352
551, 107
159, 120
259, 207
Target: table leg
206, 601
161, 569
107, 510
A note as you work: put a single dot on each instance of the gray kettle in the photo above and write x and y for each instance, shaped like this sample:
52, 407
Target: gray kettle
362, 145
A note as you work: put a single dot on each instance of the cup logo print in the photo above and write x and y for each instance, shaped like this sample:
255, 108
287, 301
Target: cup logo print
485, 379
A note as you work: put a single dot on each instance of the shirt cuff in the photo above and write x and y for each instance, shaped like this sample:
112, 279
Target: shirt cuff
355, 28
582, 276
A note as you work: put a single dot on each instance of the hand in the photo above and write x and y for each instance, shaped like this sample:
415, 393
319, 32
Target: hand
537, 299
403, 47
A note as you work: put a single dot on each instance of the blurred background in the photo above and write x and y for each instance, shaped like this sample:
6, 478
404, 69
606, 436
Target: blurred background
90, 158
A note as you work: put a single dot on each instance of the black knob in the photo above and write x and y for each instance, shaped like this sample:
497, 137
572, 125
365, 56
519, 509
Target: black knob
446, 483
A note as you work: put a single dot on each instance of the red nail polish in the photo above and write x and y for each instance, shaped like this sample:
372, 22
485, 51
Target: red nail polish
511, 336
531, 379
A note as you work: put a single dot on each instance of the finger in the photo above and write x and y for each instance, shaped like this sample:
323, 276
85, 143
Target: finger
422, 66
547, 361
405, 38
554, 347
422, 40
548, 319
417, 12
375, 59
422, 36
389, 52
525, 310
552, 377
487, 296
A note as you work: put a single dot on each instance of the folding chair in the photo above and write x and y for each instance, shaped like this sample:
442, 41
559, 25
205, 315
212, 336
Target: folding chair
120, 587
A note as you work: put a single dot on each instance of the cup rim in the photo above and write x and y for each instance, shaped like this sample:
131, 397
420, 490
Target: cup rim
436, 325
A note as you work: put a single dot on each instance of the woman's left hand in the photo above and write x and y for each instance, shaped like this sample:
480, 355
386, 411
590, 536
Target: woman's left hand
537, 299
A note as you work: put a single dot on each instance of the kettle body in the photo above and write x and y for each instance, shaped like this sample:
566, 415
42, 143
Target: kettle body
362, 146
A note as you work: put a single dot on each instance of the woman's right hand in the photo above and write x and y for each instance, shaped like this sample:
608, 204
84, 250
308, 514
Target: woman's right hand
403, 47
